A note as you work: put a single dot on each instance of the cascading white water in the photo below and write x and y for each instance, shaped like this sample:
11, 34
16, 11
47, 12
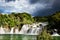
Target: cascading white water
16, 31
55, 33
2, 30
26, 29
12, 30
35, 29
38, 30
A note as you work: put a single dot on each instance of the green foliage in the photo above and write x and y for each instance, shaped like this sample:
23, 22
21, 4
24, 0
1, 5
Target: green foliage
56, 16
54, 22
40, 19
25, 18
15, 19
45, 36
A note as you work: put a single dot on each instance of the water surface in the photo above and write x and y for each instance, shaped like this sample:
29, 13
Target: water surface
17, 37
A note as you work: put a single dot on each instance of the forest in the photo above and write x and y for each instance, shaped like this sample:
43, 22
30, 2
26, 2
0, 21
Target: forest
18, 19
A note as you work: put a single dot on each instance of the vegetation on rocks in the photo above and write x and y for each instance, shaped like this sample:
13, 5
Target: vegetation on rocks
15, 19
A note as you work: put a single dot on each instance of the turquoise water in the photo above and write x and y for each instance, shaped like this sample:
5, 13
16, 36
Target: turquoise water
22, 37
56, 37
17, 37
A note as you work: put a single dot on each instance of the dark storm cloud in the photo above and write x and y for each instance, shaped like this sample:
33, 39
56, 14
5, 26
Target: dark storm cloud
34, 7
56, 4
33, 1
39, 1
47, 11
9, 0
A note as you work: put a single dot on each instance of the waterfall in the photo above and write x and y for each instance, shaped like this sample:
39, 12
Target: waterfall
12, 30
33, 29
24, 29
55, 33
2, 30
38, 30
16, 31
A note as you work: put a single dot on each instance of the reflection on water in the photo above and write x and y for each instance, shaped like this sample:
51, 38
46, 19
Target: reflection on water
17, 37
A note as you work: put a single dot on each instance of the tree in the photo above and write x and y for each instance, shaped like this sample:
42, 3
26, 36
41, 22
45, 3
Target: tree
40, 19
44, 35
15, 19
25, 18
54, 22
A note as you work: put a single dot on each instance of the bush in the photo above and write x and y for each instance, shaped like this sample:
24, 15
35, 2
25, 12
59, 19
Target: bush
44, 35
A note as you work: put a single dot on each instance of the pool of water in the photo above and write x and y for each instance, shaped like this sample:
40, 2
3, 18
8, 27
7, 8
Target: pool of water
17, 37
56, 37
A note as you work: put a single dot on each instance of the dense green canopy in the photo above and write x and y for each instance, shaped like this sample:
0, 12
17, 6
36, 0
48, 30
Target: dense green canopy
15, 19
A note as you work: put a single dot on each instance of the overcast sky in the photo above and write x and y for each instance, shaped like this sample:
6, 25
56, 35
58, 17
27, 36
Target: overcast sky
34, 7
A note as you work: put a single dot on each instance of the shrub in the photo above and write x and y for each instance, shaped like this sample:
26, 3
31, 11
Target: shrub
44, 35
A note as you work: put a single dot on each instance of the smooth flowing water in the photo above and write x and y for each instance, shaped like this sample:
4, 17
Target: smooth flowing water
17, 37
